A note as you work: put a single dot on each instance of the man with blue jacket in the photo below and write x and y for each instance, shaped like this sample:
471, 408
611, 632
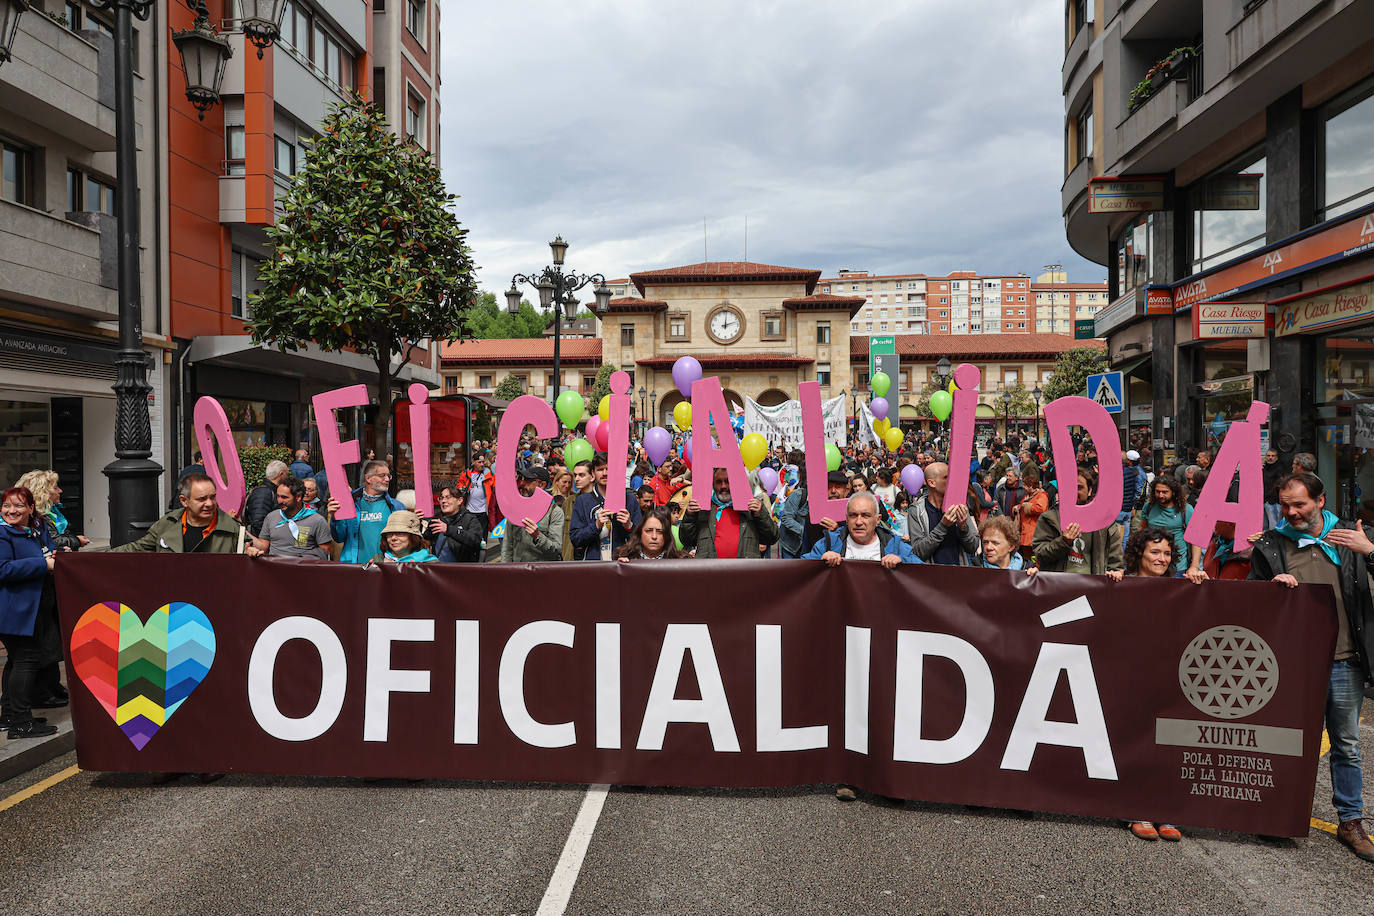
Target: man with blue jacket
862, 538
359, 536
595, 533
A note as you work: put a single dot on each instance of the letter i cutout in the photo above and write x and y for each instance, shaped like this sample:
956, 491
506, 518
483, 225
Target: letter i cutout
419, 448
968, 378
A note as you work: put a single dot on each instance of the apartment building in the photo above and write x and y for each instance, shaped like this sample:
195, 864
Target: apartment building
964, 302
58, 244
228, 171
1217, 162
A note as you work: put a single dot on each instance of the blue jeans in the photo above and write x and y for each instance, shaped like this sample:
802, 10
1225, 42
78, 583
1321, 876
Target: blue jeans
1344, 696
1271, 516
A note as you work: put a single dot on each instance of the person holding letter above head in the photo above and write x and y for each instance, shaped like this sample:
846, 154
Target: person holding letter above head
722, 532
529, 540
1067, 548
596, 533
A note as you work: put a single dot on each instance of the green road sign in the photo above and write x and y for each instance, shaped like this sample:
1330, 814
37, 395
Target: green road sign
1084, 329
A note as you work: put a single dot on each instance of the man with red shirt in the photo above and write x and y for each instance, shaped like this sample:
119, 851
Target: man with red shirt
720, 532
664, 483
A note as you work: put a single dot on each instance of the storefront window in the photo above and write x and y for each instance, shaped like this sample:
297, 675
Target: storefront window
1345, 423
1226, 390
24, 437
1228, 213
1345, 139
1133, 255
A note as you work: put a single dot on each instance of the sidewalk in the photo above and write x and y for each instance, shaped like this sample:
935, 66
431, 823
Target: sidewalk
23, 754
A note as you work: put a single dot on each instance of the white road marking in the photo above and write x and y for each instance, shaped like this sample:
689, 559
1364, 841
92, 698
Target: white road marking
565, 873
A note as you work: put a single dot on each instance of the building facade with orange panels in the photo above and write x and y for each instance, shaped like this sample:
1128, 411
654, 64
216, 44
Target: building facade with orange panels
226, 173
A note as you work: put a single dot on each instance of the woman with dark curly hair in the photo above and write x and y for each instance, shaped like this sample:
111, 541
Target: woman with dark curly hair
1168, 509
652, 538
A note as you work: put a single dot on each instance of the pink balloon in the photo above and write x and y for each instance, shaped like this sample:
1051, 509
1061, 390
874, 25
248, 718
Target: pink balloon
592, 426
603, 436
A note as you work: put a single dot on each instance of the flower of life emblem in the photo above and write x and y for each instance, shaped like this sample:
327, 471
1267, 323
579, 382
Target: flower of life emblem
1228, 672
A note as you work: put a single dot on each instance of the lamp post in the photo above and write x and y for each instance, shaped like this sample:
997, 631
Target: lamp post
556, 289
642, 412
653, 406
1006, 413
1036, 393
942, 372
10, 13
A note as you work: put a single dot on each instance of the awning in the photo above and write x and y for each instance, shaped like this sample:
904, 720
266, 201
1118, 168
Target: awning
493, 403
909, 412
1128, 368
986, 412
237, 351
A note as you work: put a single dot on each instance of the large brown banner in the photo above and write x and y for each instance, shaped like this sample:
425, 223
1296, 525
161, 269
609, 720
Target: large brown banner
1155, 699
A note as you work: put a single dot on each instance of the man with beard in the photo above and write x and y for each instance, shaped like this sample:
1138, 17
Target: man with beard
293, 529
1167, 510
796, 530
532, 541
722, 532
1312, 546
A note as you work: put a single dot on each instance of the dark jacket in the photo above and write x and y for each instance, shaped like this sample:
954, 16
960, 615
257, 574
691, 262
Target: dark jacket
1272, 474
586, 536
1132, 482
1102, 549
925, 540
796, 531
1267, 560
836, 541
23, 569
260, 503
756, 529
1008, 498
462, 542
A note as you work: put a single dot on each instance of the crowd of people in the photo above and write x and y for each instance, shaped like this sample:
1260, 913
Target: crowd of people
1007, 519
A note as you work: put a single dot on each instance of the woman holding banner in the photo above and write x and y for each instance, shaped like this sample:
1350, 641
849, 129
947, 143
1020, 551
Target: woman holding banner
652, 539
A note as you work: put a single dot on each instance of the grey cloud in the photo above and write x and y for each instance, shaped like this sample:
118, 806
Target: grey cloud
889, 136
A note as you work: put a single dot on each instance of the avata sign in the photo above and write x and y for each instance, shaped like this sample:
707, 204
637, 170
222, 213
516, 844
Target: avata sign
927, 682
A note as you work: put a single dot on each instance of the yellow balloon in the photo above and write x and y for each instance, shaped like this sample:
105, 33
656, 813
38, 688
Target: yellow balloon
682, 415
894, 439
753, 448
882, 426
603, 410
952, 387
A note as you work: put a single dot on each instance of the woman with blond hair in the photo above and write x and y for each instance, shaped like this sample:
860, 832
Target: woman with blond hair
564, 497
47, 498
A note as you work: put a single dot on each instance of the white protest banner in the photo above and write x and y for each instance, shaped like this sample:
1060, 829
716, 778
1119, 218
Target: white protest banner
782, 423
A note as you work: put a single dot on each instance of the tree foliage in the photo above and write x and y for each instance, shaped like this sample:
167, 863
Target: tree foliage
486, 320
368, 255
1071, 372
508, 389
602, 387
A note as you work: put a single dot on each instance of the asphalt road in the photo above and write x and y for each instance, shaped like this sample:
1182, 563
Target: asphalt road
120, 843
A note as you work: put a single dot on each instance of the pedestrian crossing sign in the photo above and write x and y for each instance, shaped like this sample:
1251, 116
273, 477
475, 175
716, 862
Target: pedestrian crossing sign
1105, 389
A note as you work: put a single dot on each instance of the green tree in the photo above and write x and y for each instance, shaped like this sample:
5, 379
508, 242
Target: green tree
368, 255
1071, 372
602, 386
508, 389
485, 320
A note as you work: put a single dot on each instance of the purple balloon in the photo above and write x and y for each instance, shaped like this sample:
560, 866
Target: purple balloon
878, 407
913, 478
687, 449
686, 371
768, 479
657, 442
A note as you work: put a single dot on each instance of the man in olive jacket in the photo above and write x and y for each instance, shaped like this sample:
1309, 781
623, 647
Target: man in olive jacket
715, 530
199, 526
530, 541
1059, 549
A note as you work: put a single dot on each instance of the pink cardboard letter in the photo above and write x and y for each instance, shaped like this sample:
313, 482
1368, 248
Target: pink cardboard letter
526, 410
967, 377
335, 453
618, 442
1103, 508
813, 437
1239, 454
709, 414
419, 448
212, 429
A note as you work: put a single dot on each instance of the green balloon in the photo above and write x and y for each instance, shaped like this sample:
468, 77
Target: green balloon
880, 383
576, 450
832, 457
941, 404
677, 538
569, 408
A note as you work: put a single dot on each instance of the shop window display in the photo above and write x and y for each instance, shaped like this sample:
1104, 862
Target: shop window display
1345, 422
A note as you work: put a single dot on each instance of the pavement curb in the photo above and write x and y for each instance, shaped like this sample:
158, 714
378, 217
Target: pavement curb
19, 756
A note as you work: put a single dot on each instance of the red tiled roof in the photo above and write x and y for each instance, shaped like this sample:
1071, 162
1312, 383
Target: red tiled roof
631, 304
521, 351
726, 272
977, 346
732, 361
825, 302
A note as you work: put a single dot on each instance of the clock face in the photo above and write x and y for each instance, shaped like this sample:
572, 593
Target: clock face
725, 326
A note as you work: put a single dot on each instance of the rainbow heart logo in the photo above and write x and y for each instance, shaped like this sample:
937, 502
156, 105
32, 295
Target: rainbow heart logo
142, 672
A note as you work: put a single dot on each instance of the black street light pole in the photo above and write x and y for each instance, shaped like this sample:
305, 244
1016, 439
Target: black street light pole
1036, 393
653, 406
643, 403
556, 288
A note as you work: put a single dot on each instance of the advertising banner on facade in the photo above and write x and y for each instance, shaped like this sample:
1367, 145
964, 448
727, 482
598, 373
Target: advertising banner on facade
1154, 698
1125, 195
781, 424
1324, 311
1227, 320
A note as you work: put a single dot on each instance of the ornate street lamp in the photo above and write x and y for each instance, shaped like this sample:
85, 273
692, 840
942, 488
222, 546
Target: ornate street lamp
653, 406
10, 12
642, 405
1006, 412
204, 55
261, 21
1036, 393
556, 291
942, 369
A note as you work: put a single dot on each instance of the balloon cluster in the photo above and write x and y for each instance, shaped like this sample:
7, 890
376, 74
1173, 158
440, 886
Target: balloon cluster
878, 406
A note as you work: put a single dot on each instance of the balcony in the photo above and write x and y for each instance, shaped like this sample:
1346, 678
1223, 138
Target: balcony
62, 80
1158, 112
59, 263
1078, 49
1261, 23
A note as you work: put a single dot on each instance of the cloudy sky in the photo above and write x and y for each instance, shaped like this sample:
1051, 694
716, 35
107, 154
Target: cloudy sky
886, 135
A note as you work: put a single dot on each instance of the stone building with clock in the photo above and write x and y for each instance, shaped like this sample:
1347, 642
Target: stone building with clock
762, 329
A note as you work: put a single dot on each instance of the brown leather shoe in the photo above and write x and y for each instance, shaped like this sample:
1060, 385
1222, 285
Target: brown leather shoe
1352, 834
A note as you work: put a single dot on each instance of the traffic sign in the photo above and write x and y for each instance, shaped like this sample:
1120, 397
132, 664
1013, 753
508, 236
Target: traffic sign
1105, 389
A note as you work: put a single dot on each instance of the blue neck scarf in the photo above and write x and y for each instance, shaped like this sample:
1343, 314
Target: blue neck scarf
59, 521
1305, 539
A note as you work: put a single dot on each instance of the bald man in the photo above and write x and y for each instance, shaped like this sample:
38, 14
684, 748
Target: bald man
942, 532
